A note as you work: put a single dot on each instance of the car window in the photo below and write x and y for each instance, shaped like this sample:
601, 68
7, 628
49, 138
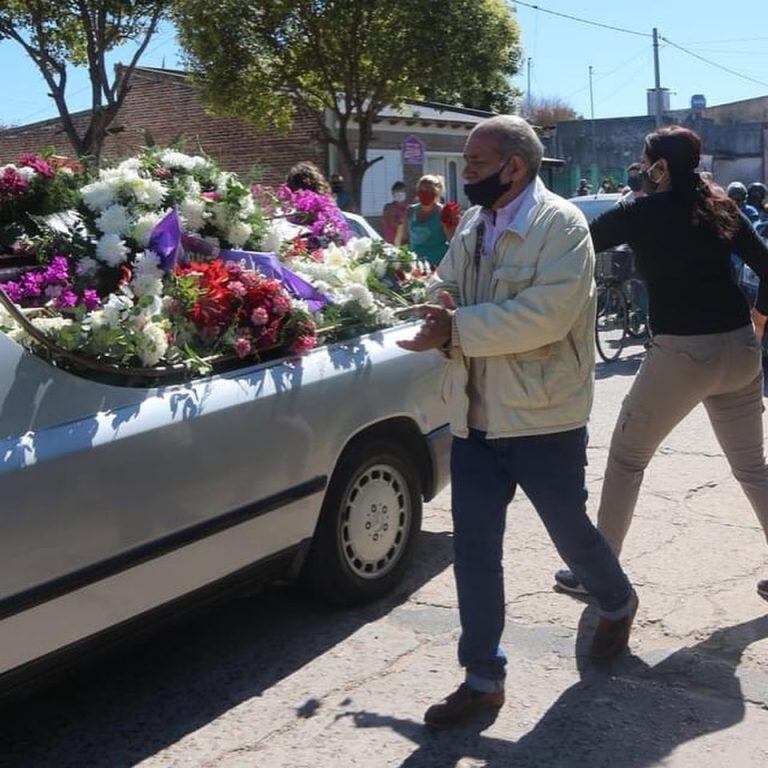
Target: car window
356, 228
593, 208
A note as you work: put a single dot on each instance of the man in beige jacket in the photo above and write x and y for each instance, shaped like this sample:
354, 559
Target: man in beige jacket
517, 327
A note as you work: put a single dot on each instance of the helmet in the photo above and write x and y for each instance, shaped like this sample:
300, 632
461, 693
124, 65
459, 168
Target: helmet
757, 191
737, 192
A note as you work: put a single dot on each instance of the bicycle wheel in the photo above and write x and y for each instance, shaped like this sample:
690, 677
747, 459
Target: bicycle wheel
636, 297
611, 322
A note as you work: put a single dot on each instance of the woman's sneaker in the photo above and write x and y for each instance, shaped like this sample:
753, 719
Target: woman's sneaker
566, 581
762, 589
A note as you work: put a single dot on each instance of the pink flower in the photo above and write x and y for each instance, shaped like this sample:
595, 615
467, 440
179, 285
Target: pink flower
90, 299
237, 288
43, 167
259, 316
213, 197
242, 346
303, 344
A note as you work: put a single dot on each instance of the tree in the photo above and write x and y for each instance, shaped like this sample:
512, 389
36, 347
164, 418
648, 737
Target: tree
351, 58
57, 34
550, 111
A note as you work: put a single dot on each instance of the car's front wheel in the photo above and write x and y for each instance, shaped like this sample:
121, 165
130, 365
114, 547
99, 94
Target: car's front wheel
368, 525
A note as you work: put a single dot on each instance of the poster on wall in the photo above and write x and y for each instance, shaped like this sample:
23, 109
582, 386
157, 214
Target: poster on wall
413, 151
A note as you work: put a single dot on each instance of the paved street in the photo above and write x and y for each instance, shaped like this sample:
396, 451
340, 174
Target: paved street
272, 681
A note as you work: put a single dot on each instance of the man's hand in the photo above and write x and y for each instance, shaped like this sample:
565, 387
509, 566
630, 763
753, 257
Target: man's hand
436, 328
758, 319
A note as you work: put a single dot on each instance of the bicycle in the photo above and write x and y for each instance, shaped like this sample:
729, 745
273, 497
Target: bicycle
612, 319
622, 304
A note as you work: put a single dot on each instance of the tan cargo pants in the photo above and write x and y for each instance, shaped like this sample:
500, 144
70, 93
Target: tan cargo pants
723, 371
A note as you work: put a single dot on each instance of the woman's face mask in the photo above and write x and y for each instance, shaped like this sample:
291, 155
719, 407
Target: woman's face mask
398, 197
651, 178
426, 197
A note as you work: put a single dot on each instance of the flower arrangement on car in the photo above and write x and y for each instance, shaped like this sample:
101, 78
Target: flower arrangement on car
163, 264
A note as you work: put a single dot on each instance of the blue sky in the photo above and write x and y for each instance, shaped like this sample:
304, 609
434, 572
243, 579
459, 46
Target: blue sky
561, 52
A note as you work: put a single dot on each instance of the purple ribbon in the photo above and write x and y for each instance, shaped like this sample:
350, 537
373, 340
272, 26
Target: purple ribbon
269, 266
165, 240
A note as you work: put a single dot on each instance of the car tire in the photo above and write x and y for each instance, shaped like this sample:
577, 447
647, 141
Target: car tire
369, 523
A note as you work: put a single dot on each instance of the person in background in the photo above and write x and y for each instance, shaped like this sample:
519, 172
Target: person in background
705, 349
738, 193
584, 188
306, 175
606, 187
426, 233
343, 198
393, 215
756, 193
634, 183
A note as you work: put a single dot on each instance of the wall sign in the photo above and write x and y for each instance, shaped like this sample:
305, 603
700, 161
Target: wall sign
413, 151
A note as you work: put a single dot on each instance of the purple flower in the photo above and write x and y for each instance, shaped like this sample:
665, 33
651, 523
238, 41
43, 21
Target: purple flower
67, 298
57, 271
13, 290
31, 284
90, 299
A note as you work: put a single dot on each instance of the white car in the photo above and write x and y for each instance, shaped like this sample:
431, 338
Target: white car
121, 503
360, 226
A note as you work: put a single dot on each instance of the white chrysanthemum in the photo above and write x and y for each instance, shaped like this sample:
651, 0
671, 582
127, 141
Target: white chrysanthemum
193, 213
50, 325
247, 205
379, 266
358, 247
111, 250
221, 217
385, 315
170, 158
361, 295
114, 220
131, 164
238, 233
280, 231
152, 344
221, 182
86, 267
147, 276
142, 228
116, 309
98, 195
147, 191
200, 163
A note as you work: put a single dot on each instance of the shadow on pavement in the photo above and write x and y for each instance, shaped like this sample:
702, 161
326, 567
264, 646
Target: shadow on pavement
627, 713
624, 366
132, 705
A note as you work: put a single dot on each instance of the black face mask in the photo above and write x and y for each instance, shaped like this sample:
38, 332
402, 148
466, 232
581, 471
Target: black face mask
635, 182
487, 191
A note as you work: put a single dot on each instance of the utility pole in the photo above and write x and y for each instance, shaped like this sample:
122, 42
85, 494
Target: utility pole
528, 90
657, 76
592, 118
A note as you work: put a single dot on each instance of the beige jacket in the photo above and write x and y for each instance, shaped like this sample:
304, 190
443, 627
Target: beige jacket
537, 333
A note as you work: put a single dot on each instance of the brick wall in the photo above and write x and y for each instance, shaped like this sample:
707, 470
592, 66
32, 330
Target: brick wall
165, 105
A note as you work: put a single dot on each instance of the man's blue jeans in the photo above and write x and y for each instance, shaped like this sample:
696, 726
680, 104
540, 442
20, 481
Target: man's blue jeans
484, 476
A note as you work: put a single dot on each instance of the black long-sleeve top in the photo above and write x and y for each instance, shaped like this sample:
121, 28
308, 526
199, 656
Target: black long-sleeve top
691, 289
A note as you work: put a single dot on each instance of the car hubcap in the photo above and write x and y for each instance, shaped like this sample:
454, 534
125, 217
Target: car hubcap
375, 521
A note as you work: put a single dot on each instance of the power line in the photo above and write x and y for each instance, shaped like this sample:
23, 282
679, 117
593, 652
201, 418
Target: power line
714, 63
582, 21
600, 76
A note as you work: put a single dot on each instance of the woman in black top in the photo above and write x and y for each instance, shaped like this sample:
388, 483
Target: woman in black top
705, 348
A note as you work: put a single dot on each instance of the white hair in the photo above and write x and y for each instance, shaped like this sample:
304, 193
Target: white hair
515, 137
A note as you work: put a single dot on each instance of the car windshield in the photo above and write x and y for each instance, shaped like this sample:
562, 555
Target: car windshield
592, 208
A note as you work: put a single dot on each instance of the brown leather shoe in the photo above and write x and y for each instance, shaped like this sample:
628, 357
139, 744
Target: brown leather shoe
612, 637
462, 704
